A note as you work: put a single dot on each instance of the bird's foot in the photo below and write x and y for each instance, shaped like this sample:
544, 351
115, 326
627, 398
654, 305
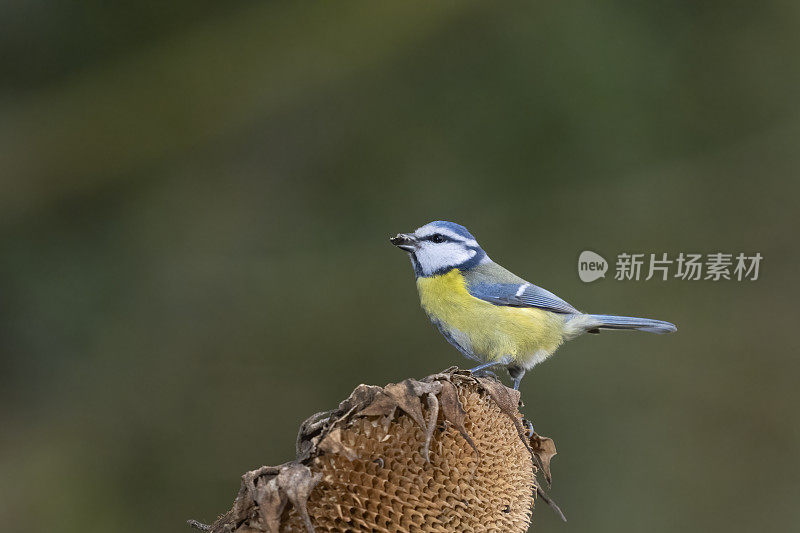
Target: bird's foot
483, 369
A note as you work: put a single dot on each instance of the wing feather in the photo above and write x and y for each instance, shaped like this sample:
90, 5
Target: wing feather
520, 295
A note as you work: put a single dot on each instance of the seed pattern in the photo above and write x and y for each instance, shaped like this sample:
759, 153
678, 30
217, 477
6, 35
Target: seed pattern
390, 488
448, 453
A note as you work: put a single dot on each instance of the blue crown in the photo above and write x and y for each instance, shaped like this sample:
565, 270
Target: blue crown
456, 228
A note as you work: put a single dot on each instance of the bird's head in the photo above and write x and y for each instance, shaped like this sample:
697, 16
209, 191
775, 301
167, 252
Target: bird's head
440, 246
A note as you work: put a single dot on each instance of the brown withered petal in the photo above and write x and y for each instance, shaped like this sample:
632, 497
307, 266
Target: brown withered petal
383, 405
332, 443
406, 396
544, 449
271, 502
454, 412
433, 416
297, 481
508, 401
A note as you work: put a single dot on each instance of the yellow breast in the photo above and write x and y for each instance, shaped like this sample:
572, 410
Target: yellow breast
493, 331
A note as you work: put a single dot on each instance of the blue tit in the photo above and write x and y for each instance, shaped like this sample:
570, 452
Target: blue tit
491, 315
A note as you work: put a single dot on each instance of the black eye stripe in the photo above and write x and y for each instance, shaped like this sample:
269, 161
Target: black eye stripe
437, 238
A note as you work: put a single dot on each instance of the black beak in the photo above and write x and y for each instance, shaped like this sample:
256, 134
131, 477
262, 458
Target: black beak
404, 241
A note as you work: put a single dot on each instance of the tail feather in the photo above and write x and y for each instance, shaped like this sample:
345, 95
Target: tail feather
631, 322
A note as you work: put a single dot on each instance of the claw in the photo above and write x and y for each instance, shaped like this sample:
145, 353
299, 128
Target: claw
529, 426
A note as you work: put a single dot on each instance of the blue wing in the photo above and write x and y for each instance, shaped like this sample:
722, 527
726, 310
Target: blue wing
520, 295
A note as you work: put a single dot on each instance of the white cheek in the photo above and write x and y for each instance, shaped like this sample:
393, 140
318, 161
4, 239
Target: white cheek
433, 257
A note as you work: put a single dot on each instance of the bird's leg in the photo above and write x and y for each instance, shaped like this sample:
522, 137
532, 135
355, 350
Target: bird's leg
516, 373
481, 369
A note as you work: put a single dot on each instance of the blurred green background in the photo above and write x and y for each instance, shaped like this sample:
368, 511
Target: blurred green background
194, 210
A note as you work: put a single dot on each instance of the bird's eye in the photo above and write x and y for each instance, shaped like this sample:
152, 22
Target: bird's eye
437, 238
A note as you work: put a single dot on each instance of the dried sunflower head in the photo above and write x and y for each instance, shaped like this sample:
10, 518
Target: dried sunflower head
450, 452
